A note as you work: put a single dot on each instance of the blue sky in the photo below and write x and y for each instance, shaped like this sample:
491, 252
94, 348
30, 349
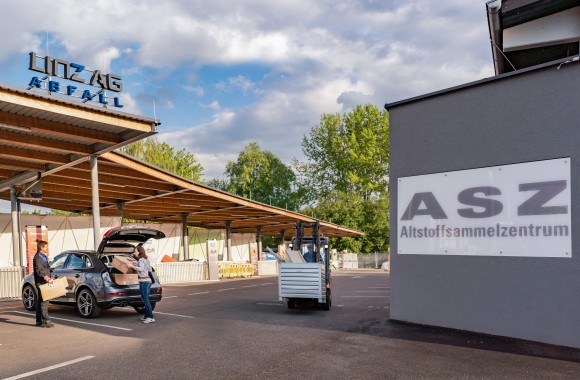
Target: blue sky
223, 73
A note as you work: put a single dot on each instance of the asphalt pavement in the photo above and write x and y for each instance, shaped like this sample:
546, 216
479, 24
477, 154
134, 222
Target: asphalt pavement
238, 329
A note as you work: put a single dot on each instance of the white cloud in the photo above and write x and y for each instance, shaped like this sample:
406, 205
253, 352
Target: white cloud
323, 57
197, 90
215, 105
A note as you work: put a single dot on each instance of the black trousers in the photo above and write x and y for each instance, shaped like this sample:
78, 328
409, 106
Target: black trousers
41, 307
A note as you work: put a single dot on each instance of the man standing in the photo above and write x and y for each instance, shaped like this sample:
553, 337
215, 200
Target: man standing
41, 276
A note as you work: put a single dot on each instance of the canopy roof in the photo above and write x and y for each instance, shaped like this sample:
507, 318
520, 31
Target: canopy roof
46, 138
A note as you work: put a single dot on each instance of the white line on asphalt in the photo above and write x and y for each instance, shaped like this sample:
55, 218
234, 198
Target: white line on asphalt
49, 368
175, 315
223, 290
269, 303
267, 283
81, 322
370, 291
378, 287
248, 286
364, 296
194, 294
10, 307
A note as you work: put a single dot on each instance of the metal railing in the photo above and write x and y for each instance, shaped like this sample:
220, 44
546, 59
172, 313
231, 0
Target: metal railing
10, 278
170, 273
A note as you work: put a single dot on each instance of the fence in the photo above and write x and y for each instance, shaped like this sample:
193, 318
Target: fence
362, 260
10, 278
170, 273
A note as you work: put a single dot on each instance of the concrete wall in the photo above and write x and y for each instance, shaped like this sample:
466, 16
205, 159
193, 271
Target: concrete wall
529, 116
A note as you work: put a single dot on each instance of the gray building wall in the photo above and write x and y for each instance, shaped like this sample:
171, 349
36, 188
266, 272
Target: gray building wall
527, 116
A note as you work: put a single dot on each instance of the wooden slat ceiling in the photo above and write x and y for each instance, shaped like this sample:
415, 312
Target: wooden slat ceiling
40, 134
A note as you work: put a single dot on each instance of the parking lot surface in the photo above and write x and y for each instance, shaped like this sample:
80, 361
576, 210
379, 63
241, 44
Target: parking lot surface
237, 329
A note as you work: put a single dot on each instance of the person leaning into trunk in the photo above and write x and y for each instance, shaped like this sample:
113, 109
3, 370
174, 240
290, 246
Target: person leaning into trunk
143, 268
41, 276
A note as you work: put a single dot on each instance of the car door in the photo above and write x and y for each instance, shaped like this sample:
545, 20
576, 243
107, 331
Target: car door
57, 268
76, 268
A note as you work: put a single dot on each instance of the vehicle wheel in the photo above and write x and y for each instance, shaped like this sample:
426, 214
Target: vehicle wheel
328, 303
291, 303
87, 304
141, 309
29, 298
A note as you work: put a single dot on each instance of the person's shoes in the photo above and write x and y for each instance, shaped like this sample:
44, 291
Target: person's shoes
143, 318
149, 320
48, 324
39, 324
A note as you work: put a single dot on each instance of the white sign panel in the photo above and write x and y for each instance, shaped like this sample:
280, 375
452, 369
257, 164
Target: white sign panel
511, 210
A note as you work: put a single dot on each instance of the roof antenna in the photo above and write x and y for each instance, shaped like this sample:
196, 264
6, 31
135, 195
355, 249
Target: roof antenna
154, 113
47, 55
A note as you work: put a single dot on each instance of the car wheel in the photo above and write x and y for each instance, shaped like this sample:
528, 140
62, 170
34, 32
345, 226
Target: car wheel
141, 309
29, 297
87, 304
291, 303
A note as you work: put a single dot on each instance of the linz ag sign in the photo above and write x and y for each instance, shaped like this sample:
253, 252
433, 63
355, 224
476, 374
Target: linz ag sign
511, 210
77, 73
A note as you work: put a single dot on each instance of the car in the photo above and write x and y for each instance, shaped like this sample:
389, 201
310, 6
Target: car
91, 275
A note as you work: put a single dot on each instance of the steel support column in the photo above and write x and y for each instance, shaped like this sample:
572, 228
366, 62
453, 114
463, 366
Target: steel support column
229, 240
185, 236
95, 198
120, 206
259, 241
16, 258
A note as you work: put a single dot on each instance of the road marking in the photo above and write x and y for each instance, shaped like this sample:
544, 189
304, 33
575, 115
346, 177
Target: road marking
81, 322
46, 369
364, 296
370, 291
269, 303
10, 307
175, 315
248, 286
194, 294
268, 283
223, 290
378, 287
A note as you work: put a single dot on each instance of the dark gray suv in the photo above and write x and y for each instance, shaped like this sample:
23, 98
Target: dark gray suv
90, 275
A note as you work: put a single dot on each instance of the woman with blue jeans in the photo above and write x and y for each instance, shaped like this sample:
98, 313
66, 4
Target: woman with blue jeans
143, 268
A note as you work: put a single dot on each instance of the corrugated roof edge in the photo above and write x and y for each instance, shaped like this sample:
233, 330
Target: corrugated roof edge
60, 100
126, 156
573, 59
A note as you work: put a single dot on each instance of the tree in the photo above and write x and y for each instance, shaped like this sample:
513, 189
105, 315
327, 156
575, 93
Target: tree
162, 155
347, 153
261, 176
346, 175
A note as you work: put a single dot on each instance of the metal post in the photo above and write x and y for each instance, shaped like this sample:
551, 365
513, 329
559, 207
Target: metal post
259, 241
185, 235
229, 240
120, 206
95, 199
15, 230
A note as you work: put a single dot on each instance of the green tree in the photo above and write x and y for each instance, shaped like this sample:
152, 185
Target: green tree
261, 176
346, 175
164, 156
347, 153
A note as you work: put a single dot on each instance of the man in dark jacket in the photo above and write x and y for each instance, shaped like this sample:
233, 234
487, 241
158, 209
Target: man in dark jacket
41, 276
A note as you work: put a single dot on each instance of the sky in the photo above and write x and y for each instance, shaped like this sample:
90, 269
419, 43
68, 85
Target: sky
220, 74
